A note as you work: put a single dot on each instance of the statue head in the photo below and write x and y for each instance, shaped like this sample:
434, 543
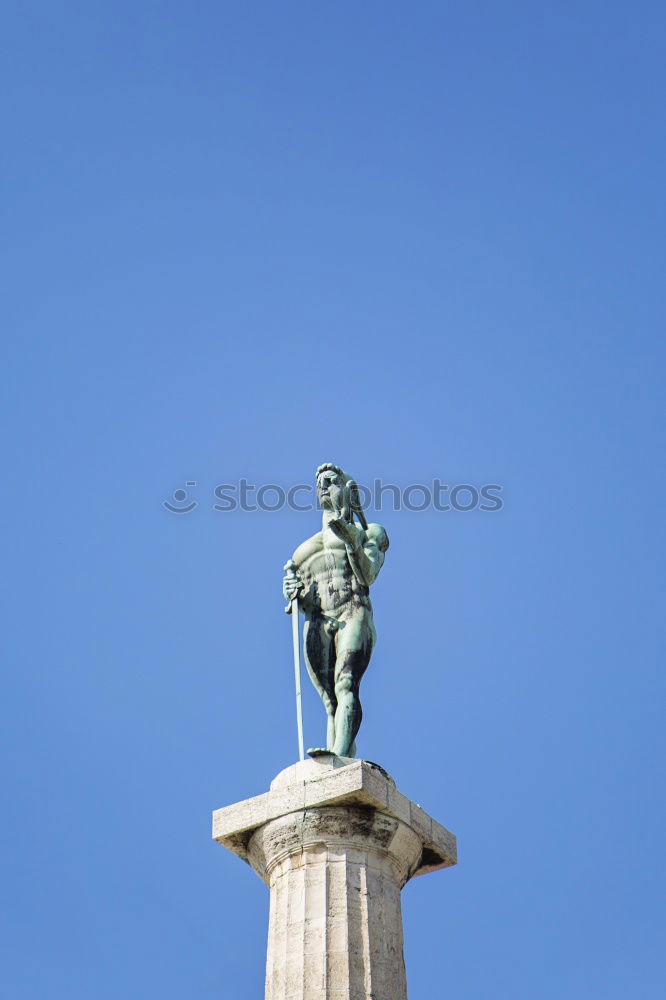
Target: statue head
338, 492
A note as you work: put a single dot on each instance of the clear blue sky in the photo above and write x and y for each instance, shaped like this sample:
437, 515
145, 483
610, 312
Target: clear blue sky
418, 240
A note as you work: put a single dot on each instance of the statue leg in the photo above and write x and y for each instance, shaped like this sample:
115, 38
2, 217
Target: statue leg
319, 653
354, 649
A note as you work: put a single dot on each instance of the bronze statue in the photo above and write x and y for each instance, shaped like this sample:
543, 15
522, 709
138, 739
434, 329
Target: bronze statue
330, 576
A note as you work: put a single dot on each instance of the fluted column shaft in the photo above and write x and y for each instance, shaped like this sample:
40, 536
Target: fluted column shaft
335, 925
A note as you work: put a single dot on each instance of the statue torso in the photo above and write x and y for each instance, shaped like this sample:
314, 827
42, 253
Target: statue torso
329, 584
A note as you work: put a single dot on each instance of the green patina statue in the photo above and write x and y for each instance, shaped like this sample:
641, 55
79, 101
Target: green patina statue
330, 576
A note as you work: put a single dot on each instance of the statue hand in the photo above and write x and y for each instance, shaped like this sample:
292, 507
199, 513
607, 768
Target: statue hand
346, 532
291, 583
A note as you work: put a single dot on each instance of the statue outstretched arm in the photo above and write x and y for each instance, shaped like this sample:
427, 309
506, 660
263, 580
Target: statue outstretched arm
365, 549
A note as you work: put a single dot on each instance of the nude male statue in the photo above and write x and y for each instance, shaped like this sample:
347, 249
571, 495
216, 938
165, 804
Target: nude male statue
331, 573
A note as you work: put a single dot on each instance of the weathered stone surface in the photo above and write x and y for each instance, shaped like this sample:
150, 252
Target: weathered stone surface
335, 842
328, 780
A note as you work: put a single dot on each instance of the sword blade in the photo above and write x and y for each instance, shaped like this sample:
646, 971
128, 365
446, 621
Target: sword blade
297, 675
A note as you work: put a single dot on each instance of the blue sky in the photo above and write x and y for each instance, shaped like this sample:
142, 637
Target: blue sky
418, 240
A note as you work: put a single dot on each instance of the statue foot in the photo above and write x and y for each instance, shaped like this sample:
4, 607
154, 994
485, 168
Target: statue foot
320, 752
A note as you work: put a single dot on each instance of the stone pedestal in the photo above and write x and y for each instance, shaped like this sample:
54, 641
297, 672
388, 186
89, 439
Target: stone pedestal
335, 841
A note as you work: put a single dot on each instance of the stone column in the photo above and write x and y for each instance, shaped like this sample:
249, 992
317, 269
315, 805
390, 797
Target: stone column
335, 841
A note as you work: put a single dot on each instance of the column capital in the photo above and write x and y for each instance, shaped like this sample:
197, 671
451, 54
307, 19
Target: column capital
312, 786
